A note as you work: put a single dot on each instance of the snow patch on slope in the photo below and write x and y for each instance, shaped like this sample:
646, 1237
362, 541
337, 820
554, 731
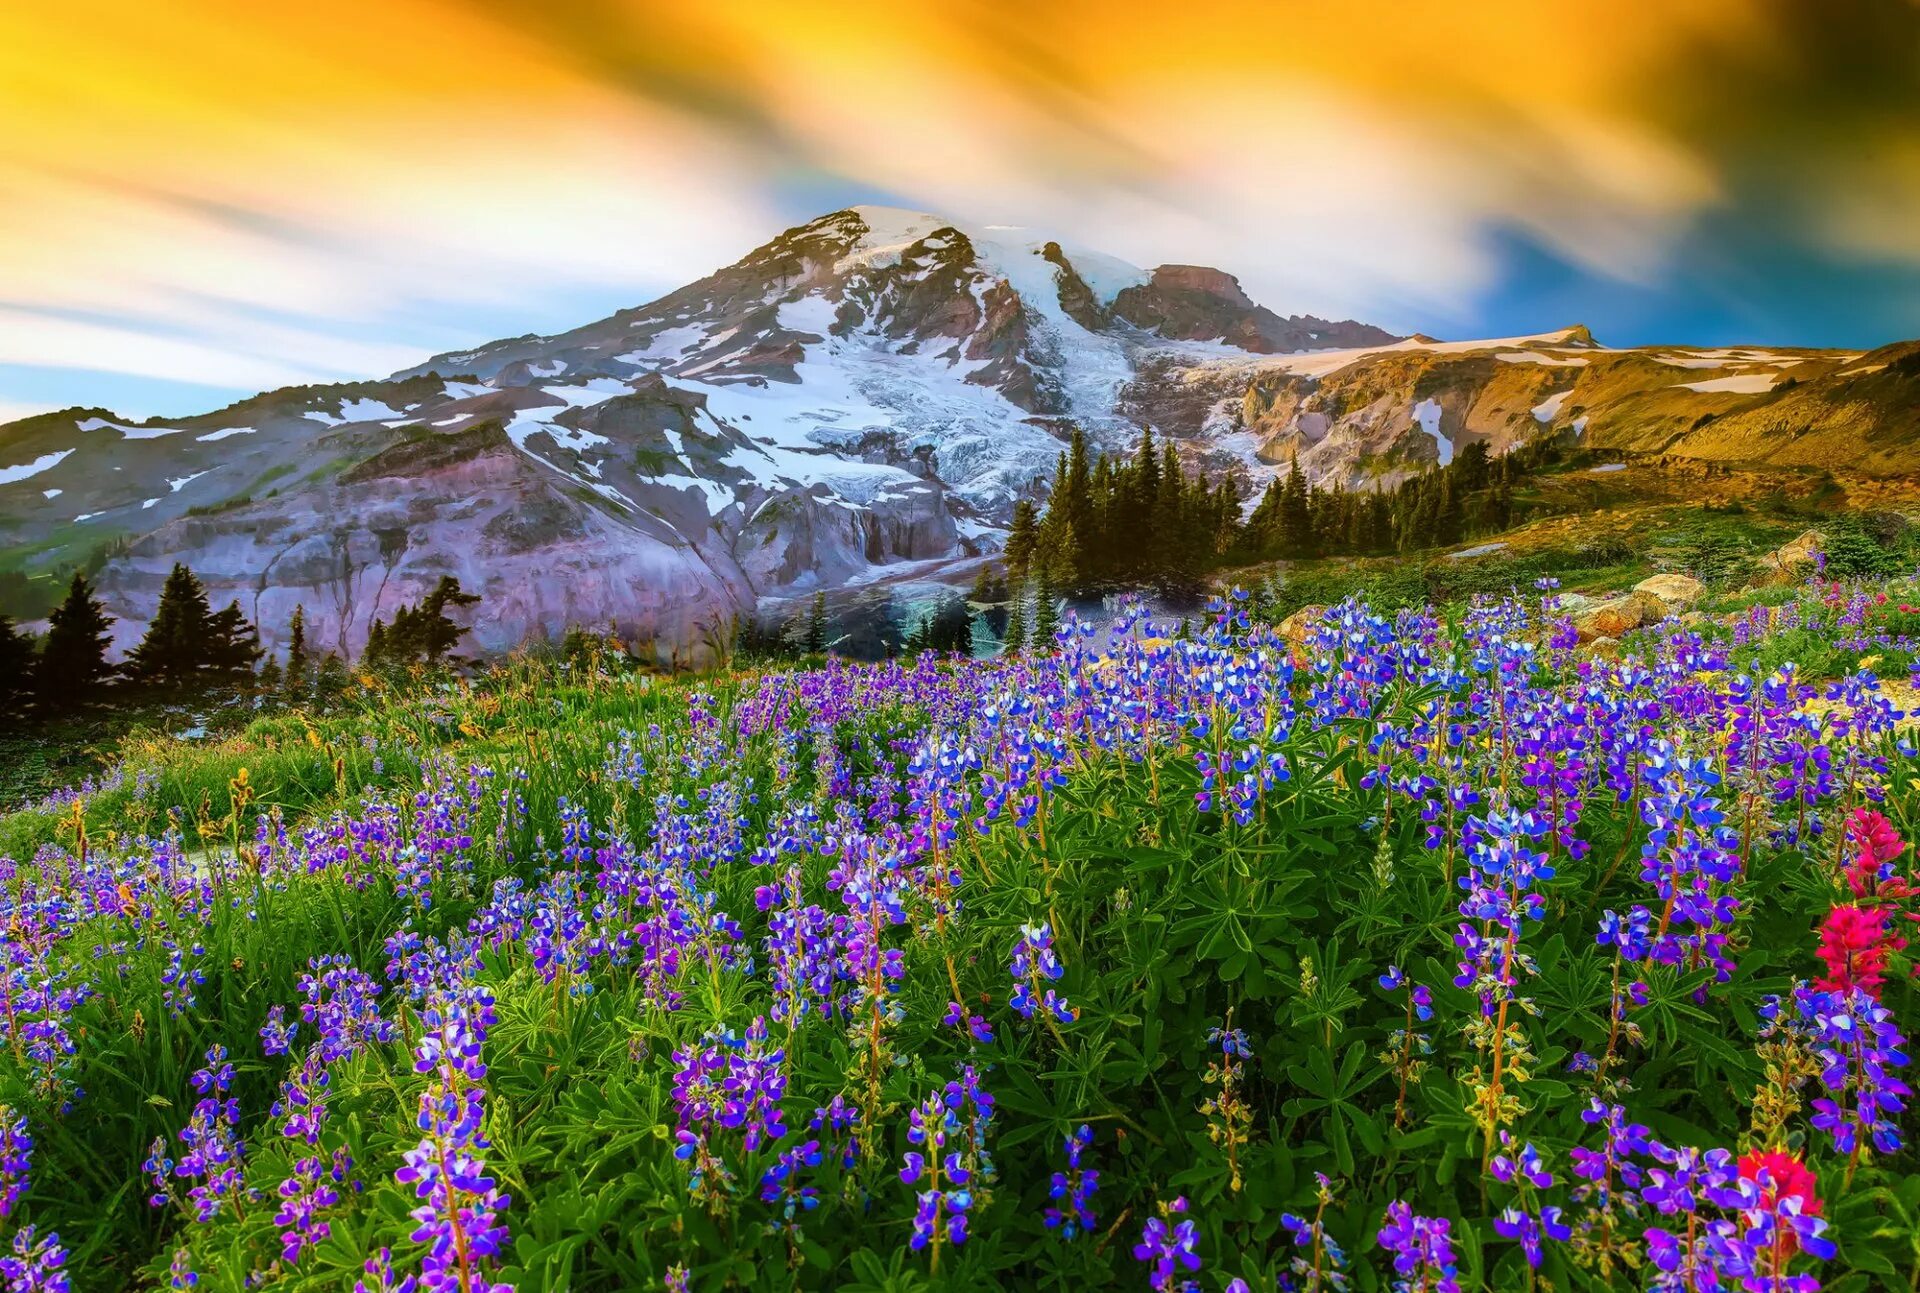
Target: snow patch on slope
131, 433
1549, 408
1427, 414
1738, 384
27, 470
356, 410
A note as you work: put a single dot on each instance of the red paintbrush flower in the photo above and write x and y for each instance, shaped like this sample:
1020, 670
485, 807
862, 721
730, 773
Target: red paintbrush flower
1854, 945
1782, 1176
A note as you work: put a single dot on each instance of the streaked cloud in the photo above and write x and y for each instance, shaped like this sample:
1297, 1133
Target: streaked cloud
232, 194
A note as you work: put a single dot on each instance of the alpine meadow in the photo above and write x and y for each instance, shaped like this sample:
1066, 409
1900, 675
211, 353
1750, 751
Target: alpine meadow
967, 748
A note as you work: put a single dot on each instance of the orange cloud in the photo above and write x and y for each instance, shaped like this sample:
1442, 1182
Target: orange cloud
347, 162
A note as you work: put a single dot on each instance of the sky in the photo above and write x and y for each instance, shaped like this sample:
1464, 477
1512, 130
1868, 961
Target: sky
206, 198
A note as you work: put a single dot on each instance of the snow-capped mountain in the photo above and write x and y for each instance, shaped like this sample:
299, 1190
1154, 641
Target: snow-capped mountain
860, 400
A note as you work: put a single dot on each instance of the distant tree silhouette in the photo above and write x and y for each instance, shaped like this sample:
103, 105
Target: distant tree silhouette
16, 669
174, 651
233, 647
298, 665
73, 669
816, 636
1014, 640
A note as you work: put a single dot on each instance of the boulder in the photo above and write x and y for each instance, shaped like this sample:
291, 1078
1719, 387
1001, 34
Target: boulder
1790, 562
1620, 616
1603, 648
1677, 591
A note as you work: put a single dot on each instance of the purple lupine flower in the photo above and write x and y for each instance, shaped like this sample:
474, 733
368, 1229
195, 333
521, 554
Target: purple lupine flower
1072, 1191
380, 1277
940, 1210
276, 1036
1422, 1251
16, 1158
35, 1264
1033, 962
314, 1186
782, 1185
1323, 1266
973, 1026
458, 1218
1167, 1246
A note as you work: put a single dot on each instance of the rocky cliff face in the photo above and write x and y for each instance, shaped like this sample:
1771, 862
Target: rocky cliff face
860, 400
1196, 303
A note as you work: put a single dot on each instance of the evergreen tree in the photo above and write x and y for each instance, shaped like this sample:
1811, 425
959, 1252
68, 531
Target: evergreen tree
1015, 639
1022, 538
951, 627
1077, 499
816, 637
174, 653
374, 654
233, 647
73, 664
438, 635
1046, 614
1295, 521
330, 679
298, 666
16, 669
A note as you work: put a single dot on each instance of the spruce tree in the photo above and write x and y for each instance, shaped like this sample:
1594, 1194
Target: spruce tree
1296, 522
1046, 613
330, 679
816, 638
73, 666
233, 647
1022, 538
16, 669
374, 654
297, 663
174, 653
1015, 639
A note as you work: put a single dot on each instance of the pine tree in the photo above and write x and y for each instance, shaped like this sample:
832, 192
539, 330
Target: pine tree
374, 654
330, 679
951, 629
1022, 537
439, 635
1295, 519
1015, 639
174, 651
233, 647
16, 669
73, 664
1046, 613
816, 637
297, 663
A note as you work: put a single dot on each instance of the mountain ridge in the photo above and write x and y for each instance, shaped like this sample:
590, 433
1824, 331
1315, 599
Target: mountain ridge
860, 399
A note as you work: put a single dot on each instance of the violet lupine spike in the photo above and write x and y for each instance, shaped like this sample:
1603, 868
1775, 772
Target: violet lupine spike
941, 1208
1034, 963
34, 1263
1169, 1247
1421, 1249
458, 1217
1072, 1191
16, 1159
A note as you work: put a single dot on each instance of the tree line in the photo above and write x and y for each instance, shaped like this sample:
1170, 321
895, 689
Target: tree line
192, 651
1146, 522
